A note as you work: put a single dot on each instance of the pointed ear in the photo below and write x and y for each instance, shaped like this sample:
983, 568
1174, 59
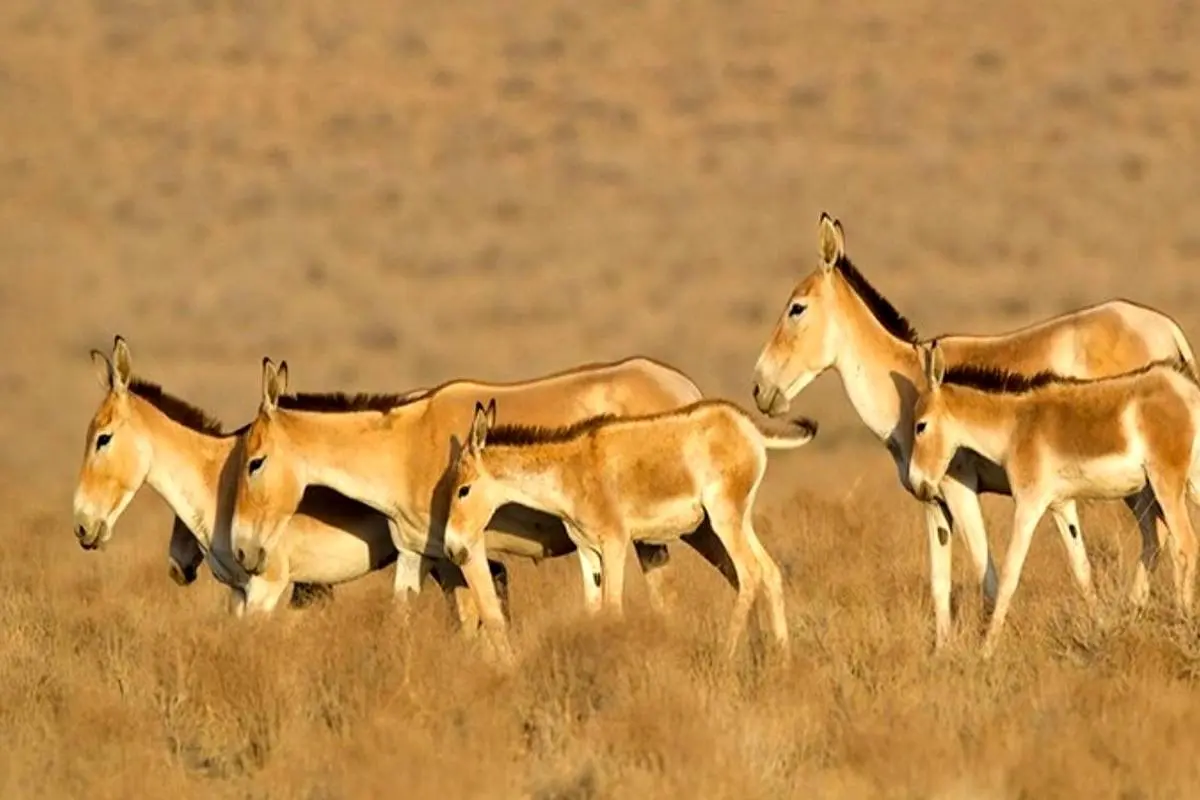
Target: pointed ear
479, 429
491, 413
270, 386
281, 377
122, 366
935, 364
831, 245
104, 370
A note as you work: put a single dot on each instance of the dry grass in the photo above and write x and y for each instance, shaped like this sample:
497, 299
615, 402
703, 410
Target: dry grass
391, 194
118, 679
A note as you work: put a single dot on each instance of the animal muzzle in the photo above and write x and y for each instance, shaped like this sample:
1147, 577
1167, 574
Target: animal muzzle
90, 533
251, 558
769, 399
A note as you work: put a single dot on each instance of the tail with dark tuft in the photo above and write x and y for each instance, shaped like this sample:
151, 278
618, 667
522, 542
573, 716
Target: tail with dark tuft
788, 436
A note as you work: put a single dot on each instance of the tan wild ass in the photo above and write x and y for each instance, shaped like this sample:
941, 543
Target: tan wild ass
834, 319
651, 478
392, 453
1134, 437
141, 435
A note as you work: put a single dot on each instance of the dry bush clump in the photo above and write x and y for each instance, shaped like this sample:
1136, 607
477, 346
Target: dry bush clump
113, 677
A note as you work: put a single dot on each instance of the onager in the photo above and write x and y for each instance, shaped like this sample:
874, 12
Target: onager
142, 435
1134, 436
834, 319
392, 452
614, 481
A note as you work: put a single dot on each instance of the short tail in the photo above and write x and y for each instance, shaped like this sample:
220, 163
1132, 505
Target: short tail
787, 436
1185, 352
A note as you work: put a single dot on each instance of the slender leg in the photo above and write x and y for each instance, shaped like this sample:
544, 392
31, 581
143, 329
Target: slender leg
939, 572
263, 593
1148, 515
772, 581
653, 559
589, 563
1025, 520
612, 560
184, 555
1066, 519
483, 592
1182, 539
727, 525
411, 569
962, 499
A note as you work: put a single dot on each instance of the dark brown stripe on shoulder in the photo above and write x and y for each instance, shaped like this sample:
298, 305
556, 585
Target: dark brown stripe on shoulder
892, 320
524, 435
340, 402
175, 409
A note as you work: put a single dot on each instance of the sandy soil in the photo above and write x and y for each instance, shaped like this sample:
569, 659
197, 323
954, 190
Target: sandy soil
393, 194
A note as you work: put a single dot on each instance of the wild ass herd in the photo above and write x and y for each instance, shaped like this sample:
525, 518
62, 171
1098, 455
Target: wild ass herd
319, 489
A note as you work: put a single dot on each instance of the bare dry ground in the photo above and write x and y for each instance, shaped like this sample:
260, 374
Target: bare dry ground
392, 194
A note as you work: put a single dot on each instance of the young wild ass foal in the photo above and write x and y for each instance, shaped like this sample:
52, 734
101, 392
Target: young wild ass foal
140, 434
392, 453
642, 479
834, 319
1135, 437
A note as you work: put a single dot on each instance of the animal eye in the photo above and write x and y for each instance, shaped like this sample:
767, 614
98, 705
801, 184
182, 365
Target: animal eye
255, 465
921, 427
463, 491
796, 310
102, 441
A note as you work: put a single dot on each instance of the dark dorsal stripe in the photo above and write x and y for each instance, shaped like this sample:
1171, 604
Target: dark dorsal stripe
999, 381
523, 435
175, 409
339, 402
883, 311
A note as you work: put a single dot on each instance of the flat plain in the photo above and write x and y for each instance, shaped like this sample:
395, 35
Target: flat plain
389, 195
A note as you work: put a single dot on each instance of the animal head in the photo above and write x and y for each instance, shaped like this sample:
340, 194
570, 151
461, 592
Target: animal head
474, 493
270, 479
804, 341
935, 439
116, 454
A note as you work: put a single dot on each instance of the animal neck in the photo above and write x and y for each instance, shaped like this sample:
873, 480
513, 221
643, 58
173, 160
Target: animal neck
985, 420
533, 474
879, 371
358, 454
185, 469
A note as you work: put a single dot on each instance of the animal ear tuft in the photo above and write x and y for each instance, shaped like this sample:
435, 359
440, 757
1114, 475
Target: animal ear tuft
270, 386
122, 364
935, 364
104, 370
830, 245
479, 429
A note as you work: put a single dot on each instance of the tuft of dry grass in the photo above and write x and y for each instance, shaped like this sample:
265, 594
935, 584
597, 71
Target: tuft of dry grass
112, 678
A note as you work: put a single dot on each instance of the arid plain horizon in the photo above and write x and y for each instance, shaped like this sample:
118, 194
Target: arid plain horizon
392, 195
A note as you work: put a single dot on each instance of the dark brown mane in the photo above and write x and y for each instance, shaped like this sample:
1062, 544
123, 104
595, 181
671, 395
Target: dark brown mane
175, 409
523, 435
883, 311
998, 381
339, 402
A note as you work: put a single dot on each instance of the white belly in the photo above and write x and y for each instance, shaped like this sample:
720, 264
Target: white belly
1107, 478
665, 521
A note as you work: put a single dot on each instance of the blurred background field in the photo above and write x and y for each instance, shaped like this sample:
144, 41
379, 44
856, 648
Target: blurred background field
394, 194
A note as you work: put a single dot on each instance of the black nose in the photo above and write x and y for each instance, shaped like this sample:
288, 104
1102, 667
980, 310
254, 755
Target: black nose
80, 532
755, 392
241, 556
